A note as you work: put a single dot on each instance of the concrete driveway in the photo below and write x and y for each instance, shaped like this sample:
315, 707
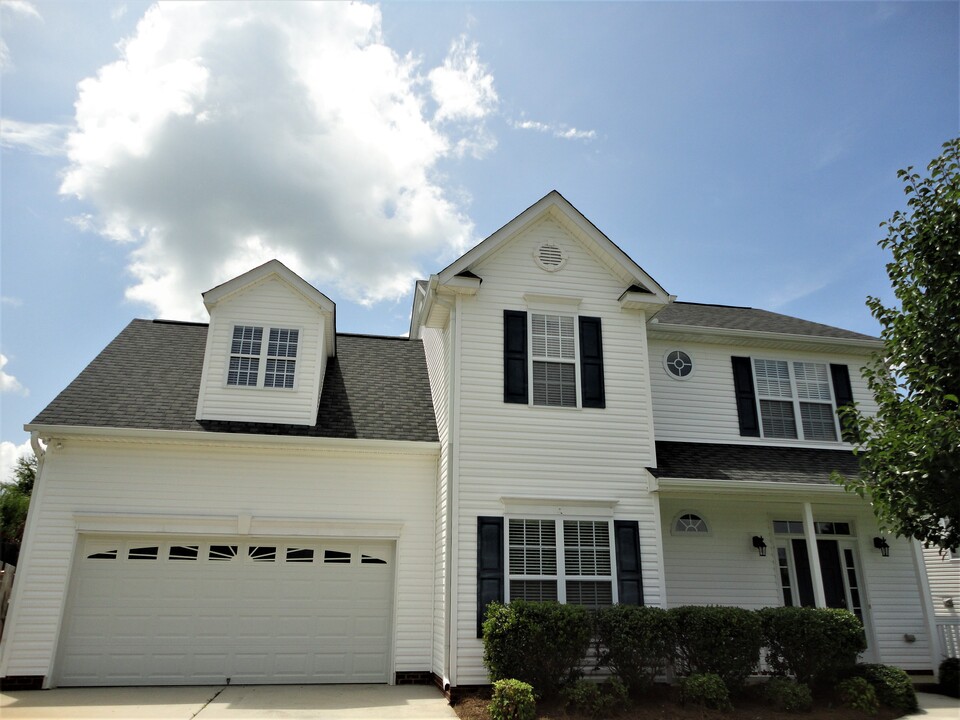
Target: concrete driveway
234, 702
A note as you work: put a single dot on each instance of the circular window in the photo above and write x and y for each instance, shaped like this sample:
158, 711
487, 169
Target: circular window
550, 257
678, 364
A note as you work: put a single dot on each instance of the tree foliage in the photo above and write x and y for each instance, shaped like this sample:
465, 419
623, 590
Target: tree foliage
910, 451
15, 499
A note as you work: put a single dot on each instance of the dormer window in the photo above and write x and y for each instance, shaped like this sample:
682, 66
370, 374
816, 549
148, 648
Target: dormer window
250, 367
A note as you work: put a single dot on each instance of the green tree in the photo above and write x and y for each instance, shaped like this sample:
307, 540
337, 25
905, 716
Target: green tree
15, 499
910, 451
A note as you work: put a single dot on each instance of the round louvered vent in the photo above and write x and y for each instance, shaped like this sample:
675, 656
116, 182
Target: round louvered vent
550, 257
678, 364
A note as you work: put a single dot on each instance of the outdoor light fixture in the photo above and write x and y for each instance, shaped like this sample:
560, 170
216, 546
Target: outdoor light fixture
760, 545
881, 544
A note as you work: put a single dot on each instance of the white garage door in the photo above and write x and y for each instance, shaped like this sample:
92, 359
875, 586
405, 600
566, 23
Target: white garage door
188, 611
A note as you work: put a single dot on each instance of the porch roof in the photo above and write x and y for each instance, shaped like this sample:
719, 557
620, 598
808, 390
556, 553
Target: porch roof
751, 463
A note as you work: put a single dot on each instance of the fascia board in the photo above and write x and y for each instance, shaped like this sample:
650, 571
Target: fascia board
668, 486
715, 335
216, 295
204, 438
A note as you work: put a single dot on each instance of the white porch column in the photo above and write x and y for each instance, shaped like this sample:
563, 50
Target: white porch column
810, 534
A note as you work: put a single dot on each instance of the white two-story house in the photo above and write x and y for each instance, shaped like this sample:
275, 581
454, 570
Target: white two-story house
265, 500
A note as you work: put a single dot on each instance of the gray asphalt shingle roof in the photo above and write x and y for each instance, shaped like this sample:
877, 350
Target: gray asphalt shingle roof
728, 317
704, 461
149, 377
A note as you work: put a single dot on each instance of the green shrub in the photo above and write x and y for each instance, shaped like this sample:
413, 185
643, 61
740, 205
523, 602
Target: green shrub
636, 643
857, 693
596, 700
892, 685
542, 644
512, 700
815, 645
948, 676
788, 695
720, 640
706, 689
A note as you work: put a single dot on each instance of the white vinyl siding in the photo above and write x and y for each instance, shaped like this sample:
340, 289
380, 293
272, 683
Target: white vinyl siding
506, 449
275, 377
725, 569
703, 407
312, 484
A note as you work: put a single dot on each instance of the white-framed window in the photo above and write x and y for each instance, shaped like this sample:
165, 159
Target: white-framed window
254, 363
553, 357
678, 364
795, 400
569, 561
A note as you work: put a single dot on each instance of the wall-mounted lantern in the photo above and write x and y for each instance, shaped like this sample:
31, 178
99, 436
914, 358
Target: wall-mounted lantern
760, 545
881, 544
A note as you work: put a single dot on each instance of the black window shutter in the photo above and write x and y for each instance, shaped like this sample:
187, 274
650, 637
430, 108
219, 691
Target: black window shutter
843, 394
629, 579
489, 565
591, 363
841, 384
746, 399
515, 356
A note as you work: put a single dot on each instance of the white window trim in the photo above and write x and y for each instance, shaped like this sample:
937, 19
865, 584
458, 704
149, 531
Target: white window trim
666, 366
264, 356
561, 576
795, 400
575, 361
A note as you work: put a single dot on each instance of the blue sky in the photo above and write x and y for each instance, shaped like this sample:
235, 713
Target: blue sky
742, 153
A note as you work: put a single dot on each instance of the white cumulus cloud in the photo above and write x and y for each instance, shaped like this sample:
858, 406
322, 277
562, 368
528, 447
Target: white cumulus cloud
8, 383
9, 452
227, 134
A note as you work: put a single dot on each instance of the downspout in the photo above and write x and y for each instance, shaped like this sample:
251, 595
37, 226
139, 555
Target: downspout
810, 532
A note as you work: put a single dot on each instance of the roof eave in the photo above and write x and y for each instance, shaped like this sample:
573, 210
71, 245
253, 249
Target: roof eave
711, 334
48, 432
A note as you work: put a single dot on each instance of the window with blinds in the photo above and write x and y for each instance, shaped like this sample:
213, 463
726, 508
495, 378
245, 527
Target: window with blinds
569, 561
554, 354
254, 363
795, 400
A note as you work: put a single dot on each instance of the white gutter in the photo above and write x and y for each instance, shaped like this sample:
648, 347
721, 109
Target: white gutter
656, 327
229, 439
666, 485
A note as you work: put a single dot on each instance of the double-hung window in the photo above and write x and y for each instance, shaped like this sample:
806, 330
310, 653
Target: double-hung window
255, 363
552, 360
795, 400
554, 356
570, 561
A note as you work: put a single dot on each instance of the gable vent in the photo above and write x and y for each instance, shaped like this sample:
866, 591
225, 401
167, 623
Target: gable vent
550, 257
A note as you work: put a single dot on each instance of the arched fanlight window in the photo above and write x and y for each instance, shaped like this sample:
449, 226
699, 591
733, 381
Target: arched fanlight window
688, 523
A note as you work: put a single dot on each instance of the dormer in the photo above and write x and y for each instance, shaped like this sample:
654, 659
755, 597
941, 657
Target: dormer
271, 334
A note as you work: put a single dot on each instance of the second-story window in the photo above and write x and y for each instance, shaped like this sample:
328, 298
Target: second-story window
552, 360
554, 355
795, 400
254, 363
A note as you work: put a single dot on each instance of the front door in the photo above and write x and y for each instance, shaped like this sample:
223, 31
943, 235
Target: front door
842, 587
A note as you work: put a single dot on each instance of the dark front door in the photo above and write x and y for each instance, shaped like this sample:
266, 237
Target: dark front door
831, 570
